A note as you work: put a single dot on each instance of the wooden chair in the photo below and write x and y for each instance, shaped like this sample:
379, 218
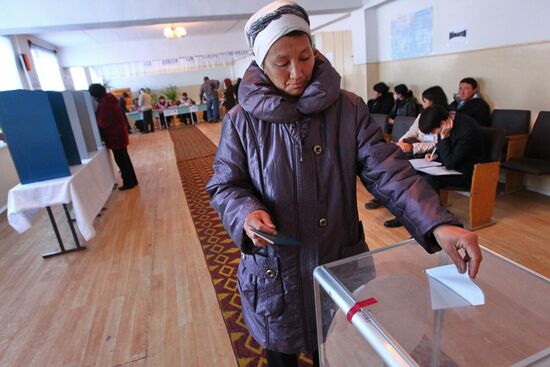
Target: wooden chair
529, 154
484, 180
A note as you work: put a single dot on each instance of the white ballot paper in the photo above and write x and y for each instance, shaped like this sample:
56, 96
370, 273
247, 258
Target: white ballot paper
438, 171
423, 163
449, 288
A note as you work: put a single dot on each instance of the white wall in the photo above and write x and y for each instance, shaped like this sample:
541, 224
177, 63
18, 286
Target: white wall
240, 66
489, 23
159, 82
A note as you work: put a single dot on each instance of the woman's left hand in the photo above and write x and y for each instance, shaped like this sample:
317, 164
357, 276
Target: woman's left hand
451, 239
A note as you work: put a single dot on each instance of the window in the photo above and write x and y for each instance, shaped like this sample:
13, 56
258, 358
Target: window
79, 78
9, 77
47, 68
96, 78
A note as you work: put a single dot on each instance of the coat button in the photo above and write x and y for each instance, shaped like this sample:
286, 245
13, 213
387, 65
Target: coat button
317, 149
323, 222
270, 273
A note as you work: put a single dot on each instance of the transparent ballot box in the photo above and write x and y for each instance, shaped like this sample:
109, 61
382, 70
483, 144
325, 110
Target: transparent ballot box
418, 321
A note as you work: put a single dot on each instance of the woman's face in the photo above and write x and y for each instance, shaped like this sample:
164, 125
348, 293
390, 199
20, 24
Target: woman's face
426, 103
289, 64
397, 96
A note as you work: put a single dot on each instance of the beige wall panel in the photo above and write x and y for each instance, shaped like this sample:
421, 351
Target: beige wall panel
511, 77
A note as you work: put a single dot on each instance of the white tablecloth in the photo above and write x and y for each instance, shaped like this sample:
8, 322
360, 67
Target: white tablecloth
88, 188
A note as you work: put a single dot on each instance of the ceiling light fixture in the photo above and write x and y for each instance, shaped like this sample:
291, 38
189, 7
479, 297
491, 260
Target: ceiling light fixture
174, 32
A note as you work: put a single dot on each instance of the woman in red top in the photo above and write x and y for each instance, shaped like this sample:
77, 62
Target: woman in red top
114, 132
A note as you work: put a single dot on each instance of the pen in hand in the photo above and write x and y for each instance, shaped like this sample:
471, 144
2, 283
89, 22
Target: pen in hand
432, 156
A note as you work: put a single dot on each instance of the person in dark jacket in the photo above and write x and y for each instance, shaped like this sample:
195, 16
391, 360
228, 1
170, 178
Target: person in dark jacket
287, 163
405, 103
229, 95
114, 132
469, 102
122, 105
237, 85
459, 146
383, 100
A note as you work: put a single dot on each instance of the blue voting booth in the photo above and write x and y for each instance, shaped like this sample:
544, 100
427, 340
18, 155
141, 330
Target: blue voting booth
38, 133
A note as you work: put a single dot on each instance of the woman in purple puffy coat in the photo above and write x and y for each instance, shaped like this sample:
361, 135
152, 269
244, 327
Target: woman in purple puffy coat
287, 162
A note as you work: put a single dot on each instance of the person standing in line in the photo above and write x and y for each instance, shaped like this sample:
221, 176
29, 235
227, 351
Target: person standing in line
229, 95
114, 132
145, 103
287, 162
122, 105
237, 85
209, 89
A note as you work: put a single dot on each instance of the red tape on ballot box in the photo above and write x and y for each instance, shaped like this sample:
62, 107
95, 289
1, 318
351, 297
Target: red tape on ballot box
358, 306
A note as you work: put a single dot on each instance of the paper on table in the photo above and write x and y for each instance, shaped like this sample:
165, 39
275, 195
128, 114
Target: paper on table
438, 171
421, 163
449, 288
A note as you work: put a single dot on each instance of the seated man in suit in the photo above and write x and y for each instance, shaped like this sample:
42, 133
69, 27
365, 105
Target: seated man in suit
470, 102
459, 146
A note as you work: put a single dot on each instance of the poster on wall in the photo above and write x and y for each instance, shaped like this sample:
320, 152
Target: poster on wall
411, 35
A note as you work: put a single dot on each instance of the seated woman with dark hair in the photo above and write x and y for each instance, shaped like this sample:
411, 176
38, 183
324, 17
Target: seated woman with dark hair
405, 103
383, 100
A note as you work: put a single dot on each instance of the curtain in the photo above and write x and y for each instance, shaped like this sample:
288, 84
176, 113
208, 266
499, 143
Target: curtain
9, 77
47, 68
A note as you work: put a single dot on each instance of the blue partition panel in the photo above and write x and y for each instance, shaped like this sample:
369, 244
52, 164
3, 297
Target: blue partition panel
64, 127
31, 132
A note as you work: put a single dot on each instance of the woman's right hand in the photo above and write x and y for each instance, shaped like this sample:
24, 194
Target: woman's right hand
259, 220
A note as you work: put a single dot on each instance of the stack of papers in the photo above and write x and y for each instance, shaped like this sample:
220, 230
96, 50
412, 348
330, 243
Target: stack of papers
432, 167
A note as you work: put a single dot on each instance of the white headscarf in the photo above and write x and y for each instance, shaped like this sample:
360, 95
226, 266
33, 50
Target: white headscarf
272, 22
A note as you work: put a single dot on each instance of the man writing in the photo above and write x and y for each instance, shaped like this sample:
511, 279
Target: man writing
459, 146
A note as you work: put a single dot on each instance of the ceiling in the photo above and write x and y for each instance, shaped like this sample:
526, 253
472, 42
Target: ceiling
75, 38
147, 32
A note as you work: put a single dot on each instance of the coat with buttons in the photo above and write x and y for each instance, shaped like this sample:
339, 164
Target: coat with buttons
298, 159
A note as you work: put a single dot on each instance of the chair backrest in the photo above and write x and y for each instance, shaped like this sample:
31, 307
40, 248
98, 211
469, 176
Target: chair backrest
381, 120
401, 125
493, 141
512, 121
538, 144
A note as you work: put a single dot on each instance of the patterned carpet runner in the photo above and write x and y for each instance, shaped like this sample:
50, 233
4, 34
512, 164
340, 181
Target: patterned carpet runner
195, 155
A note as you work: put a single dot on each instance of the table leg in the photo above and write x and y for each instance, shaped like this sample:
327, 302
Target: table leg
58, 236
70, 221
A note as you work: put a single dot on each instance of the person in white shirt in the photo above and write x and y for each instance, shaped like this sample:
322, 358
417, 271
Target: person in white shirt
187, 118
145, 103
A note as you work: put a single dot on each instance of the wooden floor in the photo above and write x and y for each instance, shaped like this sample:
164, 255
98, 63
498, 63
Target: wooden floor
141, 295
